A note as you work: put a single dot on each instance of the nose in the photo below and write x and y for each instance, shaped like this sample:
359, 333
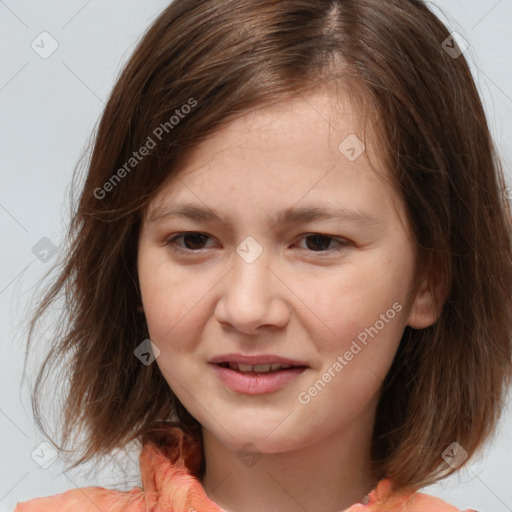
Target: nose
253, 298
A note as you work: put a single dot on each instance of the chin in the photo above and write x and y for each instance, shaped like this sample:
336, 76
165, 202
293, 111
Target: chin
259, 437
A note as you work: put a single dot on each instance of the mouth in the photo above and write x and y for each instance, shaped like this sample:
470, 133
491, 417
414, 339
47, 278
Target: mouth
258, 368
255, 375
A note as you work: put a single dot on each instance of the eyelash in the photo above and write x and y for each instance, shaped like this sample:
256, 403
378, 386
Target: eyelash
170, 242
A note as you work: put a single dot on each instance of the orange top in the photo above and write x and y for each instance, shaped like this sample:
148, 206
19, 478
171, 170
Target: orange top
169, 464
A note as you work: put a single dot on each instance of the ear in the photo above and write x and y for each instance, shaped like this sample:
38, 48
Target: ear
428, 302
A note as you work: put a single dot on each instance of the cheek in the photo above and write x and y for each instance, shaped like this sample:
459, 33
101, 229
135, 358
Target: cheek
355, 302
172, 306
174, 315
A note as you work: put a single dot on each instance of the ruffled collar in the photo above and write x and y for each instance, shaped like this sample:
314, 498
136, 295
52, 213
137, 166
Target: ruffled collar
170, 461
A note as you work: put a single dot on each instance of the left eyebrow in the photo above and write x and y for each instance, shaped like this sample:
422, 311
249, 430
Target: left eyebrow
287, 216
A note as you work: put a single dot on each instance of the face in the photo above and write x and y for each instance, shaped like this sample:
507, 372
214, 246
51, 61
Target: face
329, 295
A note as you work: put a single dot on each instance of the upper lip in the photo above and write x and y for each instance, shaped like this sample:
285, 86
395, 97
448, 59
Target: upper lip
256, 359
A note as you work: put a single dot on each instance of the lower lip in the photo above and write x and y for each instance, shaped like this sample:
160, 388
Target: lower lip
256, 383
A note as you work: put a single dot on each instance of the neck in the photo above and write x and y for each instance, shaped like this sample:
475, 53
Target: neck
329, 475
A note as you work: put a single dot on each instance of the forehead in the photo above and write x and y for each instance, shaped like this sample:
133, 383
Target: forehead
303, 128
308, 148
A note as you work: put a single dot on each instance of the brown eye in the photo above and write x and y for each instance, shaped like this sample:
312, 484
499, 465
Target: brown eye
193, 241
318, 243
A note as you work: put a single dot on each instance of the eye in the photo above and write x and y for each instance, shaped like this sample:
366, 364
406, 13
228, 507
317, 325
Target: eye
191, 239
318, 243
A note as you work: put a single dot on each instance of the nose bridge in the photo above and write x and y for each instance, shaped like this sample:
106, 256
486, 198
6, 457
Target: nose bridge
250, 280
250, 296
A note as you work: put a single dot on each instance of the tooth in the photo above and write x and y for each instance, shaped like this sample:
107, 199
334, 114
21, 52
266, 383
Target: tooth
258, 367
280, 366
261, 367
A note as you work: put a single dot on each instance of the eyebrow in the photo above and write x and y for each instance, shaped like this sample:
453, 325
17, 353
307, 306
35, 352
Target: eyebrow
287, 216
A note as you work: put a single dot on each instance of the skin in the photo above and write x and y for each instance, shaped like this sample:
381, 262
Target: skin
299, 299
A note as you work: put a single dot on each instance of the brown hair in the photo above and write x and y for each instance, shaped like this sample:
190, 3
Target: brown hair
223, 59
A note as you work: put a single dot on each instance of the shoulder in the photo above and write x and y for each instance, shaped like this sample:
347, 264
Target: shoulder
426, 503
164, 470
383, 499
87, 499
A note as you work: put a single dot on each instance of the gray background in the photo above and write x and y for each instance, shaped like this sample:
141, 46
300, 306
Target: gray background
49, 108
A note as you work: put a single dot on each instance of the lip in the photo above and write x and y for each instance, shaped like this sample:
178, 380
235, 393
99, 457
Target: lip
255, 359
257, 383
